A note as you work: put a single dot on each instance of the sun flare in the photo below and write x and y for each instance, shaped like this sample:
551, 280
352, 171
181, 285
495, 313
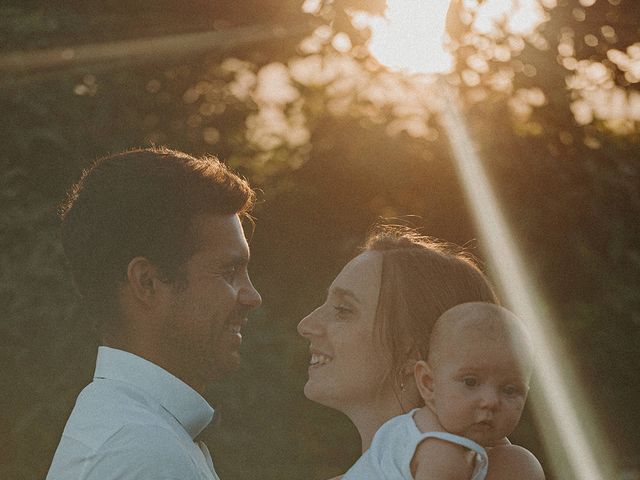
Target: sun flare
410, 37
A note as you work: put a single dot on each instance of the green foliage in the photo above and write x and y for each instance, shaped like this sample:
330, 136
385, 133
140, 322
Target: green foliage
573, 207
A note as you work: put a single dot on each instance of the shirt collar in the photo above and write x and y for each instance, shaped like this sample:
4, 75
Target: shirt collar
179, 399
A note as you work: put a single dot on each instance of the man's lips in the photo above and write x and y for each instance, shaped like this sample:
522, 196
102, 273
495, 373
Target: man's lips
319, 358
235, 326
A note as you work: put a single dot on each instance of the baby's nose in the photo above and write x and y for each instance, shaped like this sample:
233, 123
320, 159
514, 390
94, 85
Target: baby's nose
489, 398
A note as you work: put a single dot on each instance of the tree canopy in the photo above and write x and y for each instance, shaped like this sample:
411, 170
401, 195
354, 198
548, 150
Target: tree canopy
289, 94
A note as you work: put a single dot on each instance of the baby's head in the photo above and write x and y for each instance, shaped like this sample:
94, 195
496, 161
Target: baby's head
476, 377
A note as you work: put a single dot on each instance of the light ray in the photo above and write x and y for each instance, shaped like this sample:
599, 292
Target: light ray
143, 49
572, 449
577, 451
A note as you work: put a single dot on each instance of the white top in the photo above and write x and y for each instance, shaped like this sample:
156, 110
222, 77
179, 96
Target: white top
134, 421
393, 448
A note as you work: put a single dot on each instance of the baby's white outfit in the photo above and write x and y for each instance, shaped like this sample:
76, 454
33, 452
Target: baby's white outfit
393, 447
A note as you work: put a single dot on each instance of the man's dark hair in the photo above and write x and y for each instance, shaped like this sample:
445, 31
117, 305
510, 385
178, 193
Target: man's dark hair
141, 203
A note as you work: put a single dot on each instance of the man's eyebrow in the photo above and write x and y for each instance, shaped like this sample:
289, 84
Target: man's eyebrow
345, 292
235, 260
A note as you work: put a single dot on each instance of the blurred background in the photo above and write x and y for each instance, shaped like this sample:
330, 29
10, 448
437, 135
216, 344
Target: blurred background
288, 93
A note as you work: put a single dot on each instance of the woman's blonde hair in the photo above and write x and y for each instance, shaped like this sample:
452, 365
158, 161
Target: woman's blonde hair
421, 279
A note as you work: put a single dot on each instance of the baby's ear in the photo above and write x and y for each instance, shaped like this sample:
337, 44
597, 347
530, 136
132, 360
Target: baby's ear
424, 380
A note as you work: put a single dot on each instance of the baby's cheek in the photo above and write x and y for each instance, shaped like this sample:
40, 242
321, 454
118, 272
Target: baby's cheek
517, 407
451, 421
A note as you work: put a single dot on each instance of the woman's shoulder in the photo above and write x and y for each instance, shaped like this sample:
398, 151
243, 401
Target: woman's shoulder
513, 461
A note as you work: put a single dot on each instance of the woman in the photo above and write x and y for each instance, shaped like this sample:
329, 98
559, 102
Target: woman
375, 324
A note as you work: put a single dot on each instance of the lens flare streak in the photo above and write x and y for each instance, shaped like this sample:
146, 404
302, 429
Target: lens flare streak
504, 258
143, 50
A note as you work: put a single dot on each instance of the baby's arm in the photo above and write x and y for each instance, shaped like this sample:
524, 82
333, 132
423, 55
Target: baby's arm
511, 461
437, 459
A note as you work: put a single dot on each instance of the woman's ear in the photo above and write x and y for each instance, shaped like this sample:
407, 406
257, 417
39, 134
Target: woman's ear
424, 380
409, 367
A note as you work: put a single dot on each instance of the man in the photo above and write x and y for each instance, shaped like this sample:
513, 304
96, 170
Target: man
156, 247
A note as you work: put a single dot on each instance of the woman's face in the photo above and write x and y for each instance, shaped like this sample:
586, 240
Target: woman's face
347, 363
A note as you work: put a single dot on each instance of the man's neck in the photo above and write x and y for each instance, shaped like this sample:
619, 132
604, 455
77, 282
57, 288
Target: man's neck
152, 353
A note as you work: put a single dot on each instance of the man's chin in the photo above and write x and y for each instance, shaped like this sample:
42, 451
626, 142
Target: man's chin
224, 366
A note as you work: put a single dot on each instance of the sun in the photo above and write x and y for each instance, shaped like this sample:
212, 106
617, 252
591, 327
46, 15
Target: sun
410, 36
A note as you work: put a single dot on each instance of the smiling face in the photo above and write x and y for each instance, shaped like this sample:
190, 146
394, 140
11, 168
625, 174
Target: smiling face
480, 383
347, 363
207, 309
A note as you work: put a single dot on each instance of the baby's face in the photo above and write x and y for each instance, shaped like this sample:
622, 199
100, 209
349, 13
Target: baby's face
479, 388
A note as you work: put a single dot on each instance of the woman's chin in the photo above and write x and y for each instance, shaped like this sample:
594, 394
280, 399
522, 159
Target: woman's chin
311, 391
318, 393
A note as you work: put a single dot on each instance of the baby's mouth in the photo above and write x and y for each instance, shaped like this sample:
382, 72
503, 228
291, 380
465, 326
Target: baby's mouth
485, 424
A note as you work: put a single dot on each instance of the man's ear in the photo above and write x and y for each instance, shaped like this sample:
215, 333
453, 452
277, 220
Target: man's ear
144, 280
424, 380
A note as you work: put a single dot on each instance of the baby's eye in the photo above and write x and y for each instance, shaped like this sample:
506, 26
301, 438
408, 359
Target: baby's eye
511, 390
470, 381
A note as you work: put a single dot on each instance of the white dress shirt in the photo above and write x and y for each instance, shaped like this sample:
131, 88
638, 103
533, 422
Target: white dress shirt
134, 421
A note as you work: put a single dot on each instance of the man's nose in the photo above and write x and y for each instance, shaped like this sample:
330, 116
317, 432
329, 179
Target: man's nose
310, 325
249, 296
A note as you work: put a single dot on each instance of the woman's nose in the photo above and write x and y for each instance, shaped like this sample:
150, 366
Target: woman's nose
311, 324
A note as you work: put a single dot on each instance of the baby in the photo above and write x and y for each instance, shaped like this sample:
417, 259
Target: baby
474, 384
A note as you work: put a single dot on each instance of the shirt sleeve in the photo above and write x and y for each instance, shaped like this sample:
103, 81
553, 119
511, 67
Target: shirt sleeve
141, 452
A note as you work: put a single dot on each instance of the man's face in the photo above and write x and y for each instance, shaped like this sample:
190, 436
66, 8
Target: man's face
208, 308
480, 388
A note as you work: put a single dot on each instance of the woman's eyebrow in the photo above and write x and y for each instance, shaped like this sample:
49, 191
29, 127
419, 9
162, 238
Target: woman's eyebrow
345, 292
